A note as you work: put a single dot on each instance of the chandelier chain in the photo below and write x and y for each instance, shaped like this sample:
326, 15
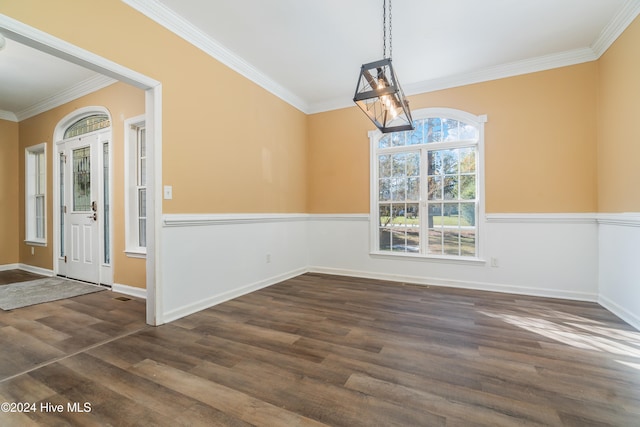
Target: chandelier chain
390, 31
386, 25
384, 28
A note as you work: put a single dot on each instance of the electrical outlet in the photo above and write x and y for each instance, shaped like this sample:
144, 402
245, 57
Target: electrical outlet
268, 258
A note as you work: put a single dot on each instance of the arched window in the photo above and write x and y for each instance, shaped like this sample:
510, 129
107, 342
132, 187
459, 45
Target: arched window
87, 124
426, 186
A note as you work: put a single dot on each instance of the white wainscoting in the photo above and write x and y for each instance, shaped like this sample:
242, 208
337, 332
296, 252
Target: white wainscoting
619, 273
541, 254
209, 259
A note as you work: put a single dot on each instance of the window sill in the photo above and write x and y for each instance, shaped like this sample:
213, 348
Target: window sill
136, 253
428, 258
36, 242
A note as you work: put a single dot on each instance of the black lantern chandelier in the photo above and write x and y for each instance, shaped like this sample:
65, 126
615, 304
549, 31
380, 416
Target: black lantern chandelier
378, 92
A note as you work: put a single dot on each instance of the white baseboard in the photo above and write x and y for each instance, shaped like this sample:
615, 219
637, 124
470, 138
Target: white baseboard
7, 267
479, 286
226, 296
129, 290
622, 313
36, 270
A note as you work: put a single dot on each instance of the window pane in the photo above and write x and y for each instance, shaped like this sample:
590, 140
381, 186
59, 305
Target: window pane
82, 180
384, 166
468, 242
398, 240
142, 214
413, 240
384, 215
450, 187
413, 164
40, 216
143, 142
435, 242
450, 130
435, 215
467, 160
399, 164
142, 233
434, 130
434, 159
468, 214
384, 190
468, 187
143, 172
450, 215
413, 189
142, 156
384, 142
450, 162
87, 124
40, 173
435, 188
416, 137
451, 242
398, 139
385, 239
398, 189
413, 214
142, 202
468, 132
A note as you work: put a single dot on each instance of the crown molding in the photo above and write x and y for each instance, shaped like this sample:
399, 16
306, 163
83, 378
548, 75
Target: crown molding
625, 16
85, 87
542, 63
8, 115
166, 17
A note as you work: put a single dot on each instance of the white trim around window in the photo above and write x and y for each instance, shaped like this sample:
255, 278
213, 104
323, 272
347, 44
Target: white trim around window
36, 195
135, 186
423, 204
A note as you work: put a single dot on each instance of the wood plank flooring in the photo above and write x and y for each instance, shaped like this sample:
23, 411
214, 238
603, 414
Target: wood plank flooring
14, 276
325, 350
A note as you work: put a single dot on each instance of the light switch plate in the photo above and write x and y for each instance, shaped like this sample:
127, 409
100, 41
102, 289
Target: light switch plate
168, 192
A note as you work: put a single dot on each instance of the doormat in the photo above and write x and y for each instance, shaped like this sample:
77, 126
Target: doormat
23, 294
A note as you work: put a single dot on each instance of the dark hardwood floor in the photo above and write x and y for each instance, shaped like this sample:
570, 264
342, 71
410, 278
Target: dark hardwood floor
324, 350
13, 276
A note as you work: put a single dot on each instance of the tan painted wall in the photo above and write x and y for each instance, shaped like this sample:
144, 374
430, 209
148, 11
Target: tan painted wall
228, 145
540, 144
9, 200
618, 118
123, 102
223, 153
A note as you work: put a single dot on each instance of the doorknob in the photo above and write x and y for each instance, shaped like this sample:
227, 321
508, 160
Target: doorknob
94, 216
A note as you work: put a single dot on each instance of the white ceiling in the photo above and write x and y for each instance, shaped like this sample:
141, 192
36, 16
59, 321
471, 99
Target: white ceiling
309, 52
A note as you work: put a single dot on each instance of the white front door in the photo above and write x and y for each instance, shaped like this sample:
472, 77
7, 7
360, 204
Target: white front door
82, 197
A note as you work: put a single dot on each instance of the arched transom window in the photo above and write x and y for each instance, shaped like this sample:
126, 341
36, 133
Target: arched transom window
87, 124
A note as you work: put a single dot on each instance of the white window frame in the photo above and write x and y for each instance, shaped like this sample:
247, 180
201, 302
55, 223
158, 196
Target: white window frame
132, 128
374, 138
32, 192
